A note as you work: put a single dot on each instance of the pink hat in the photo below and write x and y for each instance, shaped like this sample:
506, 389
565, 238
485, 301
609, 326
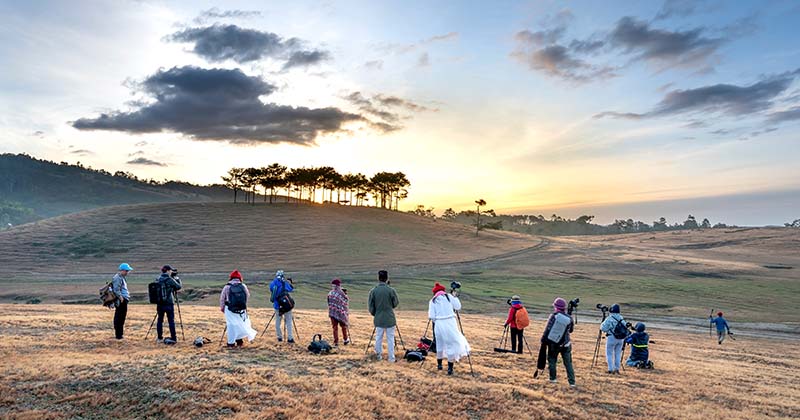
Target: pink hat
560, 304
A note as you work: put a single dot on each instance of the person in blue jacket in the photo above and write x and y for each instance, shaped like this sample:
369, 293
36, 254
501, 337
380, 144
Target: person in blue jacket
279, 287
639, 341
722, 327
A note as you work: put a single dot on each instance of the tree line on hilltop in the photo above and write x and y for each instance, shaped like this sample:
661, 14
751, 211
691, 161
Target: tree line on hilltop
385, 189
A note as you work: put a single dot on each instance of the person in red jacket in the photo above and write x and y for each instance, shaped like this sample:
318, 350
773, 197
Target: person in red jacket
516, 329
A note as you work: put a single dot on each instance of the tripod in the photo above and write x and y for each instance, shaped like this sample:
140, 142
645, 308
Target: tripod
599, 338
180, 318
268, 322
458, 317
397, 327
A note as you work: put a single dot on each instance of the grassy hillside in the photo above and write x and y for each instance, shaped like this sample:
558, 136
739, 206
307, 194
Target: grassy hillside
50, 189
87, 374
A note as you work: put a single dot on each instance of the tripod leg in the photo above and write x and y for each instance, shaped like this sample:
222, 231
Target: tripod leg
180, 317
526, 345
622, 357
469, 358
297, 334
397, 327
597, 347
221, 340
151, 326
268, 322
370, 340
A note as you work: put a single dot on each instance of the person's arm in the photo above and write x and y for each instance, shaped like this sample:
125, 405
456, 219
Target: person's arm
431, 311
395, 300
246, 290
571, 327
371, 302
547, 327
728, 328
272, 292
175, 284
511, 313
289, 287
116, 286
456, 303
223, 296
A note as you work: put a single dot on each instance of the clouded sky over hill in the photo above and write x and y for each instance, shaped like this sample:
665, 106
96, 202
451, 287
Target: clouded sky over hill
612, 107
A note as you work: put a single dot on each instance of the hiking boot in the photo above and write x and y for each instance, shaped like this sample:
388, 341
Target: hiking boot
290, 341
280, 340
169, 341
573, 386
439, 364
610, 372
231, 346
240, 342
449, 368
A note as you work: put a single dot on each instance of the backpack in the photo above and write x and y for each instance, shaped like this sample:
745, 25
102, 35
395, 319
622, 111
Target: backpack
521, 318
155, 291
319, 346
285, 301
237, 298
559, 328
414, 356
426, 345
107, 296
620, 330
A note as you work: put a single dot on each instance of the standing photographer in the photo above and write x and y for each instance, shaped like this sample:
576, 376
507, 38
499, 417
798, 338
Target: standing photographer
517, 320
556, 337
120, 287
338, 311
382, 301
616, 331
170, 283
722, 327
450, 342
281, 288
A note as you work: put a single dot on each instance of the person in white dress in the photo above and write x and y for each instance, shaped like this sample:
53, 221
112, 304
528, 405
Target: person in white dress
450, 342
233, 303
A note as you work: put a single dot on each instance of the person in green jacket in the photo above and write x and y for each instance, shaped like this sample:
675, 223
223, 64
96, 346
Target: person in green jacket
382, 301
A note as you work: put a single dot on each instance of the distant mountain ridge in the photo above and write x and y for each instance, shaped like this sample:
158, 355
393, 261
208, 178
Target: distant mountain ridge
32, 189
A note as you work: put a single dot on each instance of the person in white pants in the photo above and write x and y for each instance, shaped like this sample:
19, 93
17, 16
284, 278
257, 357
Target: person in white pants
613, 344
379, 333
382, 302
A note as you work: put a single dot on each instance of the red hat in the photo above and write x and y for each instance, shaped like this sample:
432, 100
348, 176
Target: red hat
438, 288
235, 274
719, 313
337, 282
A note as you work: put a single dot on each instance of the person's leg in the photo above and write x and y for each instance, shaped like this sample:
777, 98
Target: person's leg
721, 336
160, 322
390, 342
335, 325
519, 341
278, 330
552, 359
379, 341
610, 343
170, 311
514, 333
345, 337
287, 320
119, 319
566, 356
618, 355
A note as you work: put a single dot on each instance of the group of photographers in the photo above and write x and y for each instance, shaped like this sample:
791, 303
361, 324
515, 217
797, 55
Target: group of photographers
443, 310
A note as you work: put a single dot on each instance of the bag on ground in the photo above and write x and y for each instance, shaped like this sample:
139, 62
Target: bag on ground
237, 298
426, 345
319, 346
107, 296
521, 318
415, 355
201, 341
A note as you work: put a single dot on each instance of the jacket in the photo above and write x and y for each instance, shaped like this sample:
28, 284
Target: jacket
512, 314
382, 301
120, 287
169, 285
443, 306
611, 322
338, 305
638, 342
565, 340
721, 323
277, 288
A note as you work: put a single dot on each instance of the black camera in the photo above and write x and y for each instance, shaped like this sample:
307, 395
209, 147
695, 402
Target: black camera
573, 305
455, 285
174, 273
602, 307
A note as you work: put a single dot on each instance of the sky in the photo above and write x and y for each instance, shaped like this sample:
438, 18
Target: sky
616, 109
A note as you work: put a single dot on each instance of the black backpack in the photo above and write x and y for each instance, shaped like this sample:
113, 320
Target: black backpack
414, 355
155, 291
285, 301
319, 346
620, 331
237, 298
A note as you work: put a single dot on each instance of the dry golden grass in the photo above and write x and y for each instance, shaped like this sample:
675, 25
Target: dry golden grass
61, 362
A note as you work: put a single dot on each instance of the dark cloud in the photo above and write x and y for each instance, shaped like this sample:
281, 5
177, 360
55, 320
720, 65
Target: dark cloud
558, 61
136, 153
145, 162
230, 42
791, 114
216, 13
724, 99
662, 47
82, 152
696, 124
38, 133
219, 105
386, 108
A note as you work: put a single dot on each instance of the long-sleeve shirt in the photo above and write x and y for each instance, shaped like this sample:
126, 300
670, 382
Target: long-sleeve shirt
512, 314
721, 323
223, 297
639, 342
120, 286
170, 285
443, 307
277, 288
382, 301
611, 322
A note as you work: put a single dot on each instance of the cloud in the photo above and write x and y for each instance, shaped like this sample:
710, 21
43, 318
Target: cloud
424, 60
140, 143
724, 99
218, 43
38, 133
558, 61
406, 48
145, 162
791, 114
216, 13
82, 152
374, 64
136, 153
386, 108
219, 105
663, 47
677, 8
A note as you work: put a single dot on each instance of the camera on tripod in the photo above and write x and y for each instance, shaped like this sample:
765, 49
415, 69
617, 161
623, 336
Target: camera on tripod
603, 308
455, 287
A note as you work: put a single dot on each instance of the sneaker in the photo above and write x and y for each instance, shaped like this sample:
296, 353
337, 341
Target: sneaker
610, 372
169, 341
573, 386
280, 340
346, 342
553, 381
290, 341
159, 340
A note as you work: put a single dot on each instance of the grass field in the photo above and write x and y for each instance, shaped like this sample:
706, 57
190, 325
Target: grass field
61, 362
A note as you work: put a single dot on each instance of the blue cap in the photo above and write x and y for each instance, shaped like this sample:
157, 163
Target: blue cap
126, 267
